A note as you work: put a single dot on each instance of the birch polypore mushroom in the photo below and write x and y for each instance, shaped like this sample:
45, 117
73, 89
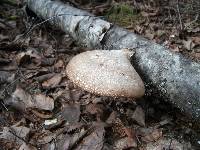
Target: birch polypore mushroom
107, 73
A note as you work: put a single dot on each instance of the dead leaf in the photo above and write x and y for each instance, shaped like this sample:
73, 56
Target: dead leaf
125, 143
189, 45
15, 134
97, 109
43, 102
73, 127
111, 119
62, 94
138, 115
25, 146
44, 77
47, 61
139, 29
52, 82
53, 124
170, 143
6, 77
22, 100
4, 61
41, 115
59, 64
93, 141
196, 40
149, 35
71, 113
76, 94
30, 54
150, 134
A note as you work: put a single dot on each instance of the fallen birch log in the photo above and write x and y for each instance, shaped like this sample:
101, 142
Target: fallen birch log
176, 78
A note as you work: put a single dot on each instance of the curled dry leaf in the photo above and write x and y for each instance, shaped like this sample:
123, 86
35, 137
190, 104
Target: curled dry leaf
44, 77
15, 134
22, 100
52, 82
108, 73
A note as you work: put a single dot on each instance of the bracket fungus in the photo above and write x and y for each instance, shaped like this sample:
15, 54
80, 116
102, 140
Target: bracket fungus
107, 73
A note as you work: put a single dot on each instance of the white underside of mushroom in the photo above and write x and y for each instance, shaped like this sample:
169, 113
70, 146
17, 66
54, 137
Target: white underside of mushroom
107, 73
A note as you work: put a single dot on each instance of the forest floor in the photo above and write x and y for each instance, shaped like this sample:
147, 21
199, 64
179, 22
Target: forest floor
40, 108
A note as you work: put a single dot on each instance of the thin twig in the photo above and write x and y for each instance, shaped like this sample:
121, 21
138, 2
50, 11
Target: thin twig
192, 22
179, 15
4, 106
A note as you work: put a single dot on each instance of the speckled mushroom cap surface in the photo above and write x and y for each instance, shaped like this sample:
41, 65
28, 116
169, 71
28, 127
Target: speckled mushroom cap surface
107, 73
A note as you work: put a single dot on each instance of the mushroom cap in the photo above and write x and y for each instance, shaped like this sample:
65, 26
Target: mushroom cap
107, 73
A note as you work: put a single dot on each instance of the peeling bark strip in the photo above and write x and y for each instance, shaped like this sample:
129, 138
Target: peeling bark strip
176, 78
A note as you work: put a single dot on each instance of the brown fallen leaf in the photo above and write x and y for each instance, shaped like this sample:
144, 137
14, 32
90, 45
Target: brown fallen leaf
59, 64
52, 82
25, 146
111, 119
138, 115
189, 45
47, 61
149, 34
6, 77
76, 94
93, 141
22, 100
41, 115
43, 102
71, 113
196, 40
44, 77
150, 134
4, 61
170, 143
30, 54
97, 109
125, 143
15, 134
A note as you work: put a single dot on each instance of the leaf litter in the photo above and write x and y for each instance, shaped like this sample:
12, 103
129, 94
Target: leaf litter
59, 115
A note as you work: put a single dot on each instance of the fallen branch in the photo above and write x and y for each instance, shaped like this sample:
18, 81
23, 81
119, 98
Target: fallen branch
176, 78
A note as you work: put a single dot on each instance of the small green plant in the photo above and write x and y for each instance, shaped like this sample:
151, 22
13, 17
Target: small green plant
123, 14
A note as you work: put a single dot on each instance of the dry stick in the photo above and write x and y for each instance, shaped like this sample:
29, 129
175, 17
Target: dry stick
83, 135
179, 15
192, 22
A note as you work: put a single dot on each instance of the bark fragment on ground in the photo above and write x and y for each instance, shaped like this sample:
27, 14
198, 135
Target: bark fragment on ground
176, 78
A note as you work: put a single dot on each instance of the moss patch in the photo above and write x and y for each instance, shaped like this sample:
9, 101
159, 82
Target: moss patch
123, 14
